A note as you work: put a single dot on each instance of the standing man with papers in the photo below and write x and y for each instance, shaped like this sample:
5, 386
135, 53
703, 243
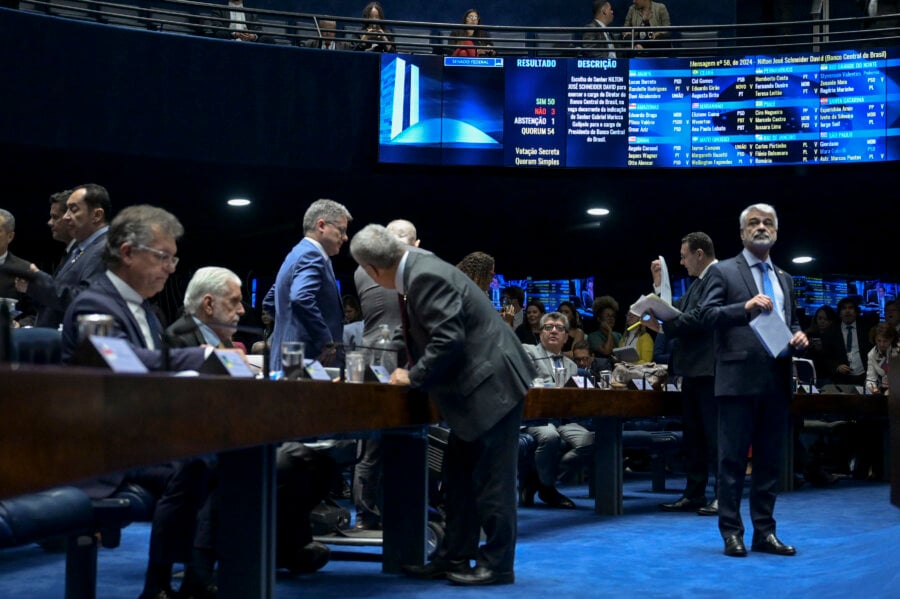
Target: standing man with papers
694, 361
753, 389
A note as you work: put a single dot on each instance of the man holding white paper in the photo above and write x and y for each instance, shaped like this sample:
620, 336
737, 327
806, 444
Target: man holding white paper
752, 387
694, 361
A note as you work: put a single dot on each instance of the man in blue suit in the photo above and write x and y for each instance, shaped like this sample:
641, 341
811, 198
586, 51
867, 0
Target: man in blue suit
307, 303
753, 388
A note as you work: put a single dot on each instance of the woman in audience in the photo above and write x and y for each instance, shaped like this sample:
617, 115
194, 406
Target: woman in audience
887, 347
471, 42
353, 321
479, 267
604, 339
824, 319
638, 338
576, 333
374, 37
529, 332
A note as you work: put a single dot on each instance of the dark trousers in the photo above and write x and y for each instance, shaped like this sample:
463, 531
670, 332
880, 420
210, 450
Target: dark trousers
304, 478
367, 482
759, 421
700, 420
481, 494
182, 489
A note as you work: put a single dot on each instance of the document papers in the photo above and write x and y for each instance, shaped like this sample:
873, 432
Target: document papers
661, 309
772, 332
665, 287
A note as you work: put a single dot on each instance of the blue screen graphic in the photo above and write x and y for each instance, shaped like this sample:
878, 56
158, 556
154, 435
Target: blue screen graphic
830, 107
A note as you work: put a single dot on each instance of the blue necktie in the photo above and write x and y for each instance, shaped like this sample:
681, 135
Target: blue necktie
767, 284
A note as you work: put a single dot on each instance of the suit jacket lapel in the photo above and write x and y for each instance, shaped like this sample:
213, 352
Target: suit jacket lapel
747, 276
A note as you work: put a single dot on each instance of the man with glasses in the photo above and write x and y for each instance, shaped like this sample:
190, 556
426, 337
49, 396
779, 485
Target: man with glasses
88, 209
139, 254
554, 369
305, 298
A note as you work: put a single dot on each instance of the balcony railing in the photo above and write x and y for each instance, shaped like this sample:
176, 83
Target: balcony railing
819, 33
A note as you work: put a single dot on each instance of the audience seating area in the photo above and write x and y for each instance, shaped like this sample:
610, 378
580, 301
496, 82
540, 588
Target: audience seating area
299, 29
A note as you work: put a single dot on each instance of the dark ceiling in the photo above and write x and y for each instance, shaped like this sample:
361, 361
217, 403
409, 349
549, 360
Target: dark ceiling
533, 222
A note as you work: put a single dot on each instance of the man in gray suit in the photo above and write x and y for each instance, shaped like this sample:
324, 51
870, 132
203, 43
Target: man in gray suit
379, 307
476, 371
693, 360
753, 389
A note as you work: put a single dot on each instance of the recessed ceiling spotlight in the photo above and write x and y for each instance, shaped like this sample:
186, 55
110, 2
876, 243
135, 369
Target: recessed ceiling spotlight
598, 211
802, 259
238, 202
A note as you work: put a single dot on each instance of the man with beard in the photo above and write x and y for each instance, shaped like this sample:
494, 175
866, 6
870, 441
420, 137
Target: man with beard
752, 388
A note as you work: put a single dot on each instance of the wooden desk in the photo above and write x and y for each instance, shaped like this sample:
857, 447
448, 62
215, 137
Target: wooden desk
62, 425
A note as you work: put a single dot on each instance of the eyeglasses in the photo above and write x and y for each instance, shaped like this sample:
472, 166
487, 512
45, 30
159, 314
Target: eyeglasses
340, 229
163, 256
472, 17
553, 327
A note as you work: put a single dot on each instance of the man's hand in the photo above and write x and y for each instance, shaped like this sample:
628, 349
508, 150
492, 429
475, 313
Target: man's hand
656, 272
799, 341
761, 302
400, 377
328, 355
844, 369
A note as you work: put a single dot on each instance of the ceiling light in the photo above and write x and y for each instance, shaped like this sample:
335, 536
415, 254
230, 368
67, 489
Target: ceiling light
238, 202
598, 211
802, 259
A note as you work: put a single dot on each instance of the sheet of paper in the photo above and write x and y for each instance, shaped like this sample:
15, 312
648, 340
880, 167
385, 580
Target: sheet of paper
661, 309
772, 332
665, 289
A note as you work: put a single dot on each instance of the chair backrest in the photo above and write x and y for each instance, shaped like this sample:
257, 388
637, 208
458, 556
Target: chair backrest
553, 44
36, 346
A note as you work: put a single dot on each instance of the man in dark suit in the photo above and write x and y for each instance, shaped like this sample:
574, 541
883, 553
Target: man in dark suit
599, 43
847, 346
307, 303
87, 216
8, 281
380, 308
233, 22
327, 30
476, 371
140, 254
753, 389
692, 359
213, 307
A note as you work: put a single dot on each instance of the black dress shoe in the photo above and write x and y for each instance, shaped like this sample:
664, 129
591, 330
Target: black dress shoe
310, 558
711, 509
366, 525
771, 544
481, 576
682, 505
734, 546
552, 497
438, 568
526, 495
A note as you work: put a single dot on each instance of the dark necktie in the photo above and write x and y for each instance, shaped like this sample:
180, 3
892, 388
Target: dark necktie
153, 323
849, 342
404, 319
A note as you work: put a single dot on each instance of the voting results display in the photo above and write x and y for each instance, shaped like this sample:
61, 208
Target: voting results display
837, 106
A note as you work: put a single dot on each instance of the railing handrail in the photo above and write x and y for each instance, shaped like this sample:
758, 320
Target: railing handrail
428, 36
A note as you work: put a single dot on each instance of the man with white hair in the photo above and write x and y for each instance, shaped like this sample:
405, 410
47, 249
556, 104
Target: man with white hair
752, 388
212, 309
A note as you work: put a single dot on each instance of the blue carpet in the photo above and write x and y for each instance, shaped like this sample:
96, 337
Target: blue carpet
848, 540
